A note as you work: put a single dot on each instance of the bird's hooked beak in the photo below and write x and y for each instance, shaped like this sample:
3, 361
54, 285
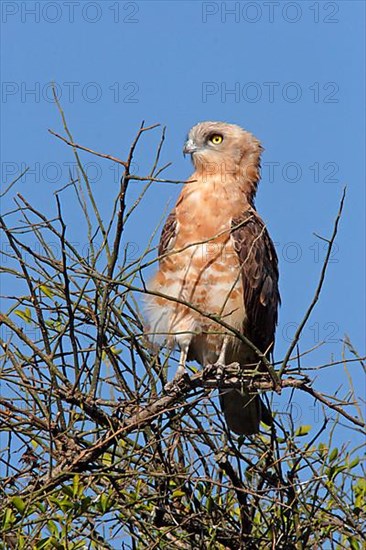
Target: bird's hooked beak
189, 147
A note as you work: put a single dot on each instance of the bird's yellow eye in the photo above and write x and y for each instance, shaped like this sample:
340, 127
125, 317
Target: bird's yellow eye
216, 139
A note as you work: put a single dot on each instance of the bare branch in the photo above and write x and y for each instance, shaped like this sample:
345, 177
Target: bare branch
318, 288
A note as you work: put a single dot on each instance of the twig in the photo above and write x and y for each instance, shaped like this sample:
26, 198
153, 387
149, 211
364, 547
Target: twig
82, 148
13, 182
318, 288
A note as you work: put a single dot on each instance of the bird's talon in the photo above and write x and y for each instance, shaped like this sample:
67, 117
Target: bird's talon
173, 385
219, 368
209, 371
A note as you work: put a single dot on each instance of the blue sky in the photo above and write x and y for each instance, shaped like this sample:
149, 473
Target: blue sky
290, 72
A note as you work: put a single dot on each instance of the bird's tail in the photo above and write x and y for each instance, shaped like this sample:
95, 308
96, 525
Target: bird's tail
243, 411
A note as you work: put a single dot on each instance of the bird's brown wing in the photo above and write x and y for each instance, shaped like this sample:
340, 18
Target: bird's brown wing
259, 271
168, 234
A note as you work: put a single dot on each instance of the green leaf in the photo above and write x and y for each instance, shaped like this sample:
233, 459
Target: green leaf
360, 487
85, 504
75, 485
26, 315
80, 545
65, 504
47, 291
104, 503
107, 459
9, 518
333, 471
323, 449
49, 542
52, 527
333, 455
354, 544
19, 504
355, 462
200, 489
359, 490
265, 427
236, 511
68, 491
209, 504
40, 506
303, 430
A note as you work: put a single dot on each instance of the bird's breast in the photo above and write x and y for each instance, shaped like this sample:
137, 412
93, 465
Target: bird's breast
202, 269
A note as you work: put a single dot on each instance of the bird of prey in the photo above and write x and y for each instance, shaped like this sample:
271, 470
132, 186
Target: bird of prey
216, 258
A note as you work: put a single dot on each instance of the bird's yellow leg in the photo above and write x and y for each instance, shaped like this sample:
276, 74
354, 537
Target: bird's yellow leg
181, 370
221, 358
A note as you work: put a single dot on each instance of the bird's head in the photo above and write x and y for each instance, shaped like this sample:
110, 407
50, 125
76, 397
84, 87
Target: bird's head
219, 148
219, 142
